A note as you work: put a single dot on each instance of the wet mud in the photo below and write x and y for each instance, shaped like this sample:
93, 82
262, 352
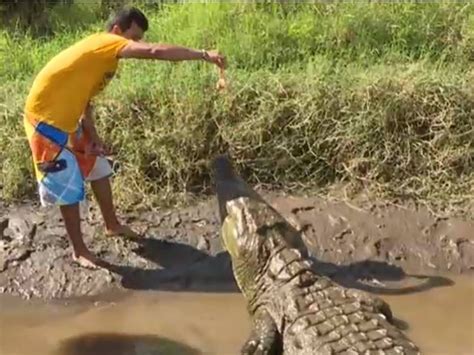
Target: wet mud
381, 248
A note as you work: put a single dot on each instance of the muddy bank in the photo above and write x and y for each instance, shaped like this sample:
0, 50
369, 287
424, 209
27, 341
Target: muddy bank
382, 248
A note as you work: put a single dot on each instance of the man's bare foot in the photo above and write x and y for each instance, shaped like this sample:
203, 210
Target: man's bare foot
122, 231
88, 261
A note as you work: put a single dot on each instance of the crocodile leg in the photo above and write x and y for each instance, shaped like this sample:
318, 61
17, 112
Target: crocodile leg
264, 338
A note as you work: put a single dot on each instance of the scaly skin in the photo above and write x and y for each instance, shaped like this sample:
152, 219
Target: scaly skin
294, 310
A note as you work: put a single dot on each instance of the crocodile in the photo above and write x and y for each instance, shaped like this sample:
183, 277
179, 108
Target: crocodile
294, 309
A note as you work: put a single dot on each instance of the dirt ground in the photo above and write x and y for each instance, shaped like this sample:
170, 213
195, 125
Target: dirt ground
379, 247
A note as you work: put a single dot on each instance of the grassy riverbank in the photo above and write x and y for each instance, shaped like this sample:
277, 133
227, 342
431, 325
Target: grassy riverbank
376, 96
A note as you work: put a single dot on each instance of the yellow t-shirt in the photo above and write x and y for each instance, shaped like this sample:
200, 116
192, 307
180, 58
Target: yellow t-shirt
61, 90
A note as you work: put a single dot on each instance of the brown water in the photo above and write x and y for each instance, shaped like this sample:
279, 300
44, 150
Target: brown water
441, 321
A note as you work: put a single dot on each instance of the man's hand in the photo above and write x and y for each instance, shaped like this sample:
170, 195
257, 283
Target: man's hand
97, 147
216, 58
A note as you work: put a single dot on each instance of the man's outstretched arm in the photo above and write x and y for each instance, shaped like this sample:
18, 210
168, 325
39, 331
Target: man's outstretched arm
169, 52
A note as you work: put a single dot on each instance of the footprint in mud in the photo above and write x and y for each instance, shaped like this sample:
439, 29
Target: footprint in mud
122, 344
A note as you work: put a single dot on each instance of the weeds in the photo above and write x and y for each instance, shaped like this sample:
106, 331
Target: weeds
379, 97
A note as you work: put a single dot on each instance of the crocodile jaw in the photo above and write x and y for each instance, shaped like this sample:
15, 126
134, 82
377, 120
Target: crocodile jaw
244, 244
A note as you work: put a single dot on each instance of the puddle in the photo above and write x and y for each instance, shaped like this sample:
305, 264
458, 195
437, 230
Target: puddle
440, 321
142, 323
116, 344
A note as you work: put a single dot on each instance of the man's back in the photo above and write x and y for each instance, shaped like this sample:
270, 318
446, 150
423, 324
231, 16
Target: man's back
63, 87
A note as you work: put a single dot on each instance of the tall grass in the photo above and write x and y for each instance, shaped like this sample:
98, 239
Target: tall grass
379, 97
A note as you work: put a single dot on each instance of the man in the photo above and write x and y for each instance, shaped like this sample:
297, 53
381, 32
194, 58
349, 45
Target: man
66, 149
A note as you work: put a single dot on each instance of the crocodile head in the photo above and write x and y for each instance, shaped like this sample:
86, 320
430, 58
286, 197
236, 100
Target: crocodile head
244, 237
252, 230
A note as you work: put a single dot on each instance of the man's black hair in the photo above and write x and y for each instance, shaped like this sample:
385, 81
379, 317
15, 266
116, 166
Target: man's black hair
126, 16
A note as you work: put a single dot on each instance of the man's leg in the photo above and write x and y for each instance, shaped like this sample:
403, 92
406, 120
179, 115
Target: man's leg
72, 221
103, 194
97, 171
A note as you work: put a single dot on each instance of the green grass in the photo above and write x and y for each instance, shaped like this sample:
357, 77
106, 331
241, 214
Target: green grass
379, 97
